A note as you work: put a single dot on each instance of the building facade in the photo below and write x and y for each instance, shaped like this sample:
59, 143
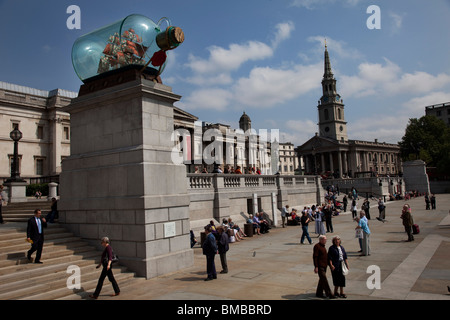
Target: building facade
441, 111
45, 129
330, 152
46, 138
289, 161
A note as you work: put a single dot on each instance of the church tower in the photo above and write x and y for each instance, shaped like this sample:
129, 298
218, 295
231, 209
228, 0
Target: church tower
332, 122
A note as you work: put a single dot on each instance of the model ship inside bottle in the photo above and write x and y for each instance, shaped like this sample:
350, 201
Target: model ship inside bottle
133, 41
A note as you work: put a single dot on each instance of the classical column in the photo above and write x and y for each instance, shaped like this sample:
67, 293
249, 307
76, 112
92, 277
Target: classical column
345, 162
340, 163
322, 161
331, 162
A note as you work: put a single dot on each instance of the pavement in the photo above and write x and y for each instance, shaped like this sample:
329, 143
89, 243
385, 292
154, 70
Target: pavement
275, 266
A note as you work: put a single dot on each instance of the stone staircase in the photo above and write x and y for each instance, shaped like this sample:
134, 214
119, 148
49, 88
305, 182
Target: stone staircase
21, 280
22, 211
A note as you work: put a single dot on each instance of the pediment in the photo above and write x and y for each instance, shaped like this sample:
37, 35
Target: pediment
181, 114
318, 143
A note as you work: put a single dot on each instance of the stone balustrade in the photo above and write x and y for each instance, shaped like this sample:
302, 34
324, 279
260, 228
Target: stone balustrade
218, 196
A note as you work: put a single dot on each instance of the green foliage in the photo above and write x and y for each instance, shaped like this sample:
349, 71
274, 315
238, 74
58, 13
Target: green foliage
427, 139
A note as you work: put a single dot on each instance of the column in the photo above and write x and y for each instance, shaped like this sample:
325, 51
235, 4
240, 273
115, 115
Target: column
306, 161
340, 163
345, 162
322, 162
331, 162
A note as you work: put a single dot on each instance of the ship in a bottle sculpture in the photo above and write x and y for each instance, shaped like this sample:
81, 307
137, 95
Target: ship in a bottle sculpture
135, 42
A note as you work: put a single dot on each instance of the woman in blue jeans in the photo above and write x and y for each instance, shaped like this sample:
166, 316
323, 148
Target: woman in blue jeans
304, 221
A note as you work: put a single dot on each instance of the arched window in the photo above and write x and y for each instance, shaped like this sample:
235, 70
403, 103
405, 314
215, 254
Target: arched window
325, 114
339, 113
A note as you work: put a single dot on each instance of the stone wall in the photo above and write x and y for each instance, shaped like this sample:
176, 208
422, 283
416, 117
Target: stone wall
218, 196
375, 186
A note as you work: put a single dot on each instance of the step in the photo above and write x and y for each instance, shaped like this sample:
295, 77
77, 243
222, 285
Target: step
23, 280
48, 238
53, 281
15, 250
21, 233
54, 252
29, 267
87, 287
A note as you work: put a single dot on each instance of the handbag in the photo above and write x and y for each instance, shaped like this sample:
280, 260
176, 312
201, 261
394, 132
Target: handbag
359, 233
344, 268
115, 258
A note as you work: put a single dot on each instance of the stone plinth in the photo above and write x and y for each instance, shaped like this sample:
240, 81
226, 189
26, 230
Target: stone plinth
415, 175
120, 181
16, 191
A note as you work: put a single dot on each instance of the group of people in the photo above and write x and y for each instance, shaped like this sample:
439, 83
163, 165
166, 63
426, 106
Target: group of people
230, 169
336, 259
218, 238
260, 224
216, 242
430, 200
319, 214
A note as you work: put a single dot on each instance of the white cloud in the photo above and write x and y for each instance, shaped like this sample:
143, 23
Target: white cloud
388, 79
397, 21
227, 60
415, 107
268, 87
385, 128
338, 48
214, 98
391, 126
300, 131
312, 4
284, 31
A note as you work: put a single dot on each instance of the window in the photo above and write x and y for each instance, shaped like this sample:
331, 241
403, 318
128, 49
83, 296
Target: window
39, 167
40, 132
15, 125
325, 114
339, 114
66, 133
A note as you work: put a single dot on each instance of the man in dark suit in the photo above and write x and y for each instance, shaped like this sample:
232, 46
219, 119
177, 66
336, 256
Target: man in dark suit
35, 235
209, 250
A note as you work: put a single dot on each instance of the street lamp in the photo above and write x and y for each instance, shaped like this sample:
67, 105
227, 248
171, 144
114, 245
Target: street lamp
15, 135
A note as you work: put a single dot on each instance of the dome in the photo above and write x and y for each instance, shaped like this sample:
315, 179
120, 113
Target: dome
244, 122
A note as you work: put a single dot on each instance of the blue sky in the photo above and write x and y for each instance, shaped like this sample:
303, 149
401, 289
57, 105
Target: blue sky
264, 57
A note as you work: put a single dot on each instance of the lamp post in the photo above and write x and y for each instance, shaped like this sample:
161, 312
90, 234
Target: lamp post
16, 185
15, 135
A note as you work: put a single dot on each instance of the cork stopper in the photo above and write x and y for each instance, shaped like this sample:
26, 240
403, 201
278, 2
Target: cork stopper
171, 38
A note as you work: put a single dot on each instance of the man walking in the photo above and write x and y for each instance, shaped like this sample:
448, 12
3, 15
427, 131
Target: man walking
305, 221
35, 235
320, 258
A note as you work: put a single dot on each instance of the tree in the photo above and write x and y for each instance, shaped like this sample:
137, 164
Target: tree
427, 139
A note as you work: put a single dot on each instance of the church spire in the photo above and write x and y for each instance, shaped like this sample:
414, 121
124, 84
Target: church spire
328, 74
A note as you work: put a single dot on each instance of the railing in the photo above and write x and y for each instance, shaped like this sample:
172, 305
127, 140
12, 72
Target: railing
205, 181
36, 180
